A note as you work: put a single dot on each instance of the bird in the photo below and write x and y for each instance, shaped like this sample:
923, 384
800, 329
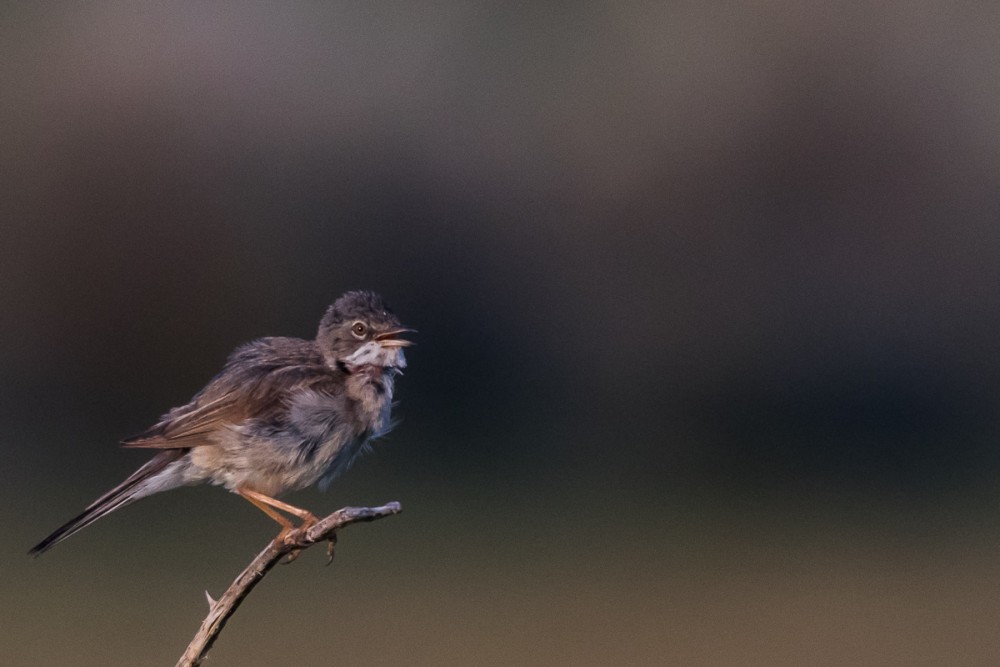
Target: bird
282, 415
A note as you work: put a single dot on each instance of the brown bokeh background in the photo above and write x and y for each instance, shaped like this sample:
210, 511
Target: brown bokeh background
708, 307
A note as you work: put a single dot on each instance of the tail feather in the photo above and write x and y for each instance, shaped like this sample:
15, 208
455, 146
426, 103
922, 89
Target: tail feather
129, 491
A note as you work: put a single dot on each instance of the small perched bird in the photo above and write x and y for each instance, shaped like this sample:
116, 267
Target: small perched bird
283, 414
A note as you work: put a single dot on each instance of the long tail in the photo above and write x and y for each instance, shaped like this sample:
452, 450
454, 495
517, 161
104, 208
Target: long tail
140, 484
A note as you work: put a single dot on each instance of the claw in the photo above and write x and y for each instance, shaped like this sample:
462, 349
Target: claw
329, 548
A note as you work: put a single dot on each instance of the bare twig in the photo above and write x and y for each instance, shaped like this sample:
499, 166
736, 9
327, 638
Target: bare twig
220, 610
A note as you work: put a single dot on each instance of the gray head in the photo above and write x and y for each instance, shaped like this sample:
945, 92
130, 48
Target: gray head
359, 329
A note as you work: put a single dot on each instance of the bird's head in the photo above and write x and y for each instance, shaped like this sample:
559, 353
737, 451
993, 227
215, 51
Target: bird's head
359, 330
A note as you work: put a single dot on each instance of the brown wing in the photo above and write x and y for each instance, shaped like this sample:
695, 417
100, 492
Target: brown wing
188, 426
255, 383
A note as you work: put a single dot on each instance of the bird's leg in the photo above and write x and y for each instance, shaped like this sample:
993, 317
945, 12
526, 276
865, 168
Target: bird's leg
261, 501
267, 505
286, 525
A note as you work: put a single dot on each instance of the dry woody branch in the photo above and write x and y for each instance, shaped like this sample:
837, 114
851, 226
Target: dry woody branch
290, 545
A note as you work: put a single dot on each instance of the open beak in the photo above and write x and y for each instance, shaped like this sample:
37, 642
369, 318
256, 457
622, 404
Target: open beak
388, 338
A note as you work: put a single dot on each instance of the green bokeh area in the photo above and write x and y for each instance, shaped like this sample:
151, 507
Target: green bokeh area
707, 307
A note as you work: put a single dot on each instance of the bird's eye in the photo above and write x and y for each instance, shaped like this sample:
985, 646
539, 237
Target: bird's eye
359, 329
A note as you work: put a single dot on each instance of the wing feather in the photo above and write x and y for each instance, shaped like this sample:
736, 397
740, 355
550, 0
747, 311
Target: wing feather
256, 382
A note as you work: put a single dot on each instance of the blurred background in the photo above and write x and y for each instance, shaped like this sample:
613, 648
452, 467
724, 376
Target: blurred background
707, 300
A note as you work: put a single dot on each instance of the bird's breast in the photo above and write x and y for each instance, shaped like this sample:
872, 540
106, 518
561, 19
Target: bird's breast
370, 390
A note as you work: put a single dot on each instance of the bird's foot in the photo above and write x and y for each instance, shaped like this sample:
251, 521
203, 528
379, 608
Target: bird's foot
332, 542
289, 536
286, 538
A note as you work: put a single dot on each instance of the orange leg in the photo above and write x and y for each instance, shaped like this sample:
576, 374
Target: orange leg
267, 505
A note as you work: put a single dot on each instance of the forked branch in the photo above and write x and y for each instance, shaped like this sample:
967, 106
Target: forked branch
323, 531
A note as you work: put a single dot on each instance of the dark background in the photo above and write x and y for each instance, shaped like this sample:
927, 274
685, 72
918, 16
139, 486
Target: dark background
708, 306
